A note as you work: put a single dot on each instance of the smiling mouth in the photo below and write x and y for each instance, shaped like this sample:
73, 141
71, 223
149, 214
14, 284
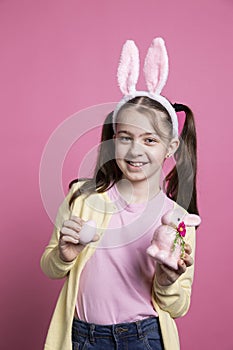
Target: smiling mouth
136, 164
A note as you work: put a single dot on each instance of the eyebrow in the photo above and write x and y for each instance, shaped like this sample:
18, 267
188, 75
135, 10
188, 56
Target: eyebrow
129, 133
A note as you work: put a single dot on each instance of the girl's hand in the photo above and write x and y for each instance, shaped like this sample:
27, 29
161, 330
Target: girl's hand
166, 276
69, 246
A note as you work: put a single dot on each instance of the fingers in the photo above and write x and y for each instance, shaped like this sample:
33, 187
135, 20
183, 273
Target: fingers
95, 238
77, 220
186, 260
73, 225
187, 248
69, 236
183, 264
181, 267
70, 230
187, 255
166, 275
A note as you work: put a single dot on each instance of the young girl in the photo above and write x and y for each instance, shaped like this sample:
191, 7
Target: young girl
116, 296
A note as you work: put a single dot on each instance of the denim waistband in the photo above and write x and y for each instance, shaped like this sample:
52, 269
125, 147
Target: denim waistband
120, 330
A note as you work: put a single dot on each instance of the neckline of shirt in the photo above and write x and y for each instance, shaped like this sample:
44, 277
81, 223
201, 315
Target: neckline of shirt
121, 203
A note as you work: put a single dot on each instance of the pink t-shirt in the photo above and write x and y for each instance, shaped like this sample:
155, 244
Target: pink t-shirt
116, 282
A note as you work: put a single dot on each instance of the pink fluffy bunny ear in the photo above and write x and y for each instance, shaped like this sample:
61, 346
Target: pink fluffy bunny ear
156, 66
128, 69
192, 220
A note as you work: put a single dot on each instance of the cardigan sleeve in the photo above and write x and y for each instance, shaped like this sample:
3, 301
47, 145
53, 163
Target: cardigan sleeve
51, 263
175, 299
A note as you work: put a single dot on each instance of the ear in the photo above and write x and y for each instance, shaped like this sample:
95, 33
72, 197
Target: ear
128, 69
192, 220
173, 146
156, 66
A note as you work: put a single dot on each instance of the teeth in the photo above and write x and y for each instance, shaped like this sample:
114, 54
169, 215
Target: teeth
136, 164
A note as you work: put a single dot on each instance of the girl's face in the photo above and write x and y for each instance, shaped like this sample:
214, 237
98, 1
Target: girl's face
140, 152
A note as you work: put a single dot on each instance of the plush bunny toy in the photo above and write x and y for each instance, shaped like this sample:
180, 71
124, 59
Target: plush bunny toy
168, 242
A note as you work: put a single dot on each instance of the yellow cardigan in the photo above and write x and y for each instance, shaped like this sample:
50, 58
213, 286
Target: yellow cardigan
169, 302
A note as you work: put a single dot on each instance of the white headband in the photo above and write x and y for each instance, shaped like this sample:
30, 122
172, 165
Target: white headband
155, 72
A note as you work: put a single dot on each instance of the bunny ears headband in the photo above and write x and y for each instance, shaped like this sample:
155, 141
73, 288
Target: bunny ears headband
155, 72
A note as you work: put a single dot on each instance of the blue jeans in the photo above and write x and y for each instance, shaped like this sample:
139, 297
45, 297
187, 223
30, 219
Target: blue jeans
139, 335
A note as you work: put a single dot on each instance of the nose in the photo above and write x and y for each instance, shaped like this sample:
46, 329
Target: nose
135, 149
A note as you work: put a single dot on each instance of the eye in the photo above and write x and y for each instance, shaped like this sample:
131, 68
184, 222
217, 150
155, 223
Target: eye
178, 219
124, 139
150, 141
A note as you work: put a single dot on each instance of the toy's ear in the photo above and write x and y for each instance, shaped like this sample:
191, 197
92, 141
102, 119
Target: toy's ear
128, 69
192, 220
156, 66
167, 217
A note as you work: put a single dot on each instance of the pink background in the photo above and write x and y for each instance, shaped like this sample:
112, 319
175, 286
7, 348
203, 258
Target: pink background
58, 57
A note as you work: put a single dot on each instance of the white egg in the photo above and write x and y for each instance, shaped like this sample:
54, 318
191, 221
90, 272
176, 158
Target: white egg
87, 232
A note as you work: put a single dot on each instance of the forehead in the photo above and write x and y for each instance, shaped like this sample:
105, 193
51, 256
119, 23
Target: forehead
133, 119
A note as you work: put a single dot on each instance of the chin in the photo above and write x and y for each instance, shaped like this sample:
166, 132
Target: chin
135, 177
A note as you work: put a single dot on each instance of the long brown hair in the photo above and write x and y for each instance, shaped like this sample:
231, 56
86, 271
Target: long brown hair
106, 172
179, 184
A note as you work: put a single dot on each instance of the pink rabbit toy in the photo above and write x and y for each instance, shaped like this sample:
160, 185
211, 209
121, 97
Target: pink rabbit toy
168, 242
